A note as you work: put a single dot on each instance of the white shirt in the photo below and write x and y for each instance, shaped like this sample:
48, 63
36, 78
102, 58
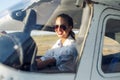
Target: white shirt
65, 54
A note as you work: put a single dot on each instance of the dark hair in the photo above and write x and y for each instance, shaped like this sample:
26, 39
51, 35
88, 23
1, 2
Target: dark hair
69, 20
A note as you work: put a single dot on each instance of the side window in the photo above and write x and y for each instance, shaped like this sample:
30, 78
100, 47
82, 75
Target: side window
111, 47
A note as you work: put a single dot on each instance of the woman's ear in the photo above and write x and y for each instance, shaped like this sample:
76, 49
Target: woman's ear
70, 28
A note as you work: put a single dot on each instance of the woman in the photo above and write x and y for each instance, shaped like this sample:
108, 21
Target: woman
63, 54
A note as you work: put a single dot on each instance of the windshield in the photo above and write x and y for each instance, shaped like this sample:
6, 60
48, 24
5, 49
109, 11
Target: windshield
29, 28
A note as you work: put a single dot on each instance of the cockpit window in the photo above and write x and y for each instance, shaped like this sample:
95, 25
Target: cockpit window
111, 48
30, 30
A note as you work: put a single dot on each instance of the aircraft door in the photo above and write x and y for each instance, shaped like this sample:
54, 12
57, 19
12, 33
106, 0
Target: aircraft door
106, 61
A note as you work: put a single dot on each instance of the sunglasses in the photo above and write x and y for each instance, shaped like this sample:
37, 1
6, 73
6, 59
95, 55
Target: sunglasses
63, 27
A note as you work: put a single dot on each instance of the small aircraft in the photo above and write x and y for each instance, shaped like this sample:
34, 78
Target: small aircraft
27, 32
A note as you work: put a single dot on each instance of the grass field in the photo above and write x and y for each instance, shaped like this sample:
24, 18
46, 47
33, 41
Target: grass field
44, 42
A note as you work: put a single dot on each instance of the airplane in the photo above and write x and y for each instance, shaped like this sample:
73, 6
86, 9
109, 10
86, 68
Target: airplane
27, 32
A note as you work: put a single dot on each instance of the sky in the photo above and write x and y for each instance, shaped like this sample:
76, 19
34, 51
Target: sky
4, 4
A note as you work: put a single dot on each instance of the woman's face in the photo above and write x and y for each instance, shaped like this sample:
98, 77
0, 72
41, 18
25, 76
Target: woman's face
61, 28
